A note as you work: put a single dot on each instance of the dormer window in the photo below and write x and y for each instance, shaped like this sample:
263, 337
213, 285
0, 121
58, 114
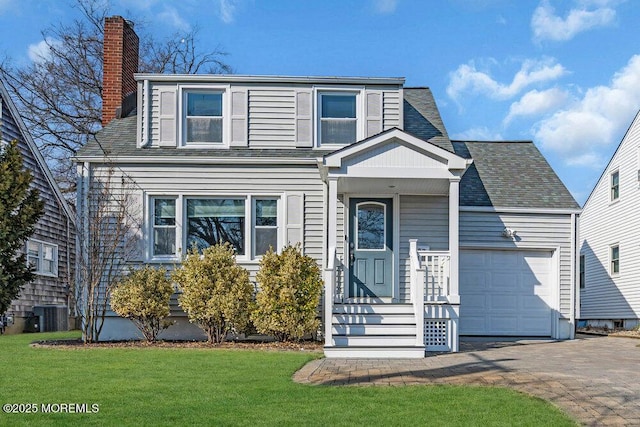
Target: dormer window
203, 117
338, 118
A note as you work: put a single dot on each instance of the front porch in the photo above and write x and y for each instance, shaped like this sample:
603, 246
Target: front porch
386, 296
428, 322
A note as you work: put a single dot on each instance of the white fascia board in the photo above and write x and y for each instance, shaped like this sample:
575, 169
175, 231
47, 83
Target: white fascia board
497, 209
454, 162
198, 161
239, 78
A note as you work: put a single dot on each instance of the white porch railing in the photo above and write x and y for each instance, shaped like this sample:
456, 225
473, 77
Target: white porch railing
418, 274
329, 294
438, 277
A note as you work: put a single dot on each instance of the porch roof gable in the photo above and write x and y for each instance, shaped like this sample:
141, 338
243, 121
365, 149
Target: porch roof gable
396, 151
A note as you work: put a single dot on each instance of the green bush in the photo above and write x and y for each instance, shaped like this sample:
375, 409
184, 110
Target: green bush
287, 301
143, 297
216, 292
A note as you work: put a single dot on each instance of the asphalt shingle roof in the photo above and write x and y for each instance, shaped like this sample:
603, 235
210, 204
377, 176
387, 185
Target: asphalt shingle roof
510, 174
422, 118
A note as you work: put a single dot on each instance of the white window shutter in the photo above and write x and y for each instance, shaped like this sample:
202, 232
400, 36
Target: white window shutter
167, 118
373, 112
294, 219
304, 119
239, 106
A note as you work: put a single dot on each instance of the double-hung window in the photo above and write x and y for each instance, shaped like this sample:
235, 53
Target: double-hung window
203, 112
164, 227
615, 260
265, 233
338, 118
615, 185
43, 257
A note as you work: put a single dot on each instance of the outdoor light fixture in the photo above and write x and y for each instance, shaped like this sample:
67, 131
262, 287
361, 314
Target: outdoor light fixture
509, 233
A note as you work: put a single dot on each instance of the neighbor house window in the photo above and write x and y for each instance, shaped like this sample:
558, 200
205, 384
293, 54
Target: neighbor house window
581, 278
265, 225
338, 118
203, 117
615, 259
211, 221
43, 257
615, 185
164, 227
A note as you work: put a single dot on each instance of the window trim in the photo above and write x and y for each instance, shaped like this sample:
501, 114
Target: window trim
613, 188
152, 227
181, 221
41, 258
319, 92
614, 262
183, 91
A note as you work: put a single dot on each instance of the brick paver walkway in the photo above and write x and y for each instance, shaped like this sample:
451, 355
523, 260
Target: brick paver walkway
594, 379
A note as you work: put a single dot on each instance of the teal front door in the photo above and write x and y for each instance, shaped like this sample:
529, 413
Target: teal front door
370, 248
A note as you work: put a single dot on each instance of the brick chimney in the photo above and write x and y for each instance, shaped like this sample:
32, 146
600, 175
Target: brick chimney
120, 62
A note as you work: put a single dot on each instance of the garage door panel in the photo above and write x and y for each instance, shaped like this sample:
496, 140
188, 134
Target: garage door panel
505, 292
504, 280
503, 302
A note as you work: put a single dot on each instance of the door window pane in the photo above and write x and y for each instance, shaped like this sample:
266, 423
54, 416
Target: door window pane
371, 226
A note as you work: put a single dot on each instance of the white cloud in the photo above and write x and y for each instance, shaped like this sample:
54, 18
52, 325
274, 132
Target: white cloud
172, 17
580, 132
467, 79
481, 133
41, 52
227, 10
546, 25
536, 102
385, 6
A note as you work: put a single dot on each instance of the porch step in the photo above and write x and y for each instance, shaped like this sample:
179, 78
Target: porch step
373, 319
374, 340
407, 352
373, 309
358, 329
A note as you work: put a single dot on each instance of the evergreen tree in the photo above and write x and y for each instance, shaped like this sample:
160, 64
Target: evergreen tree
20, 209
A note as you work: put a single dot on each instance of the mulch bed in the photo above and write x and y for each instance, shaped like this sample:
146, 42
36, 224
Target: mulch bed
302, 346
625, 333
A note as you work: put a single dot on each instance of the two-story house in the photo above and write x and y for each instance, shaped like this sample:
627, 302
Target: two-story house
421, 238
609, 252
44, 304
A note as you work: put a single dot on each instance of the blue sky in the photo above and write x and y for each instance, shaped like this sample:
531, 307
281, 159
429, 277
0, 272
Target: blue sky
563, 73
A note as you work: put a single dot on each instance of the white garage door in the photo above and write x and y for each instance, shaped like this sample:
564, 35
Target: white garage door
505, 292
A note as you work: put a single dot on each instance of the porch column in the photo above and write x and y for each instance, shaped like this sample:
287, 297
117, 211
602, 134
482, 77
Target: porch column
332, 228
454, 237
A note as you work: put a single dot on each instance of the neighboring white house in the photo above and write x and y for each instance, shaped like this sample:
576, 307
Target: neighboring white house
421, 238
609, 231
43, 305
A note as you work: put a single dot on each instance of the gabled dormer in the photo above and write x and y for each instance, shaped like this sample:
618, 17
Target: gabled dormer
228, 111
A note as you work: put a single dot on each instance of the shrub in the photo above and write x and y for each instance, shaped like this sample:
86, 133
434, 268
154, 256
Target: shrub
143, 297
216, 292
287, 302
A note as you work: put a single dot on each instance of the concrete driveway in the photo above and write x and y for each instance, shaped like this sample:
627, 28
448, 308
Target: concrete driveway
594, 379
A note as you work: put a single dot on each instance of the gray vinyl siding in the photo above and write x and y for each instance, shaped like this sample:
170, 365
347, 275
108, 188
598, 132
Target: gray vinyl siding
534, 231
265, 116
54, 227
425, 218
604, 223
239, 180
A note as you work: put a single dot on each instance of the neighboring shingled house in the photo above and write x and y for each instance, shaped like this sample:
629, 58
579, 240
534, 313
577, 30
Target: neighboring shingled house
421, 239
609, 232
43, 305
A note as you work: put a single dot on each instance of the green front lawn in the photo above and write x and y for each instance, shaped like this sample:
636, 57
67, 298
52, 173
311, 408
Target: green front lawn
188, 386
